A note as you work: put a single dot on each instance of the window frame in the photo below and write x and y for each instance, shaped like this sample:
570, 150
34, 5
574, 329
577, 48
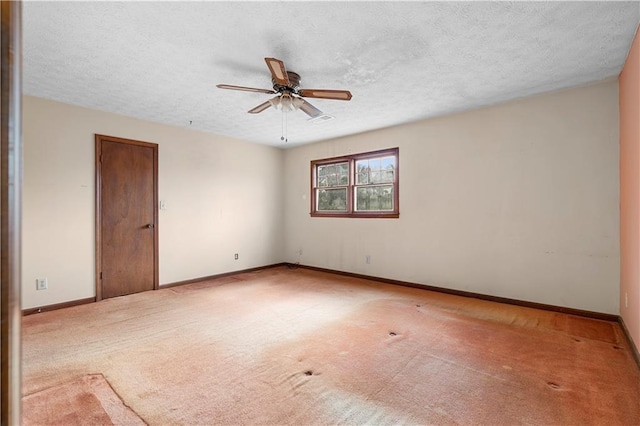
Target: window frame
351, 211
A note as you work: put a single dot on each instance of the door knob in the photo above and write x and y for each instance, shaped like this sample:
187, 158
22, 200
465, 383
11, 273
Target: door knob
150, 225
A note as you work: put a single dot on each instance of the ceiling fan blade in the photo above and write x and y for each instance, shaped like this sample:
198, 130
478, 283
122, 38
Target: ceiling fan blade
340, 95
278, 71
244, 89
309, 109
260, 107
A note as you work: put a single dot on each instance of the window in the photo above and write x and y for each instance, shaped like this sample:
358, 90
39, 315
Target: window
360, 185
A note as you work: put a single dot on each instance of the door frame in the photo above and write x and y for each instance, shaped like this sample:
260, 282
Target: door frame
11, 149
98, 167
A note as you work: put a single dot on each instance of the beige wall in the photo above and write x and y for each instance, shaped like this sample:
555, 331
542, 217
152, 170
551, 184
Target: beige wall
630, 192
212, 187
518, 200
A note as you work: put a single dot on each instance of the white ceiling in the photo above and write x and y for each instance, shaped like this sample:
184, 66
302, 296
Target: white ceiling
403, 61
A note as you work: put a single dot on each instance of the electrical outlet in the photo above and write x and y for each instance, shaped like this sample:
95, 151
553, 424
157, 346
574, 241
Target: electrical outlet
367, 259
300, 251
42, 284
235, 256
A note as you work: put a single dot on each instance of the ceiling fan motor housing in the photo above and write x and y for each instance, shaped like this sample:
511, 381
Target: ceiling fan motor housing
294, 83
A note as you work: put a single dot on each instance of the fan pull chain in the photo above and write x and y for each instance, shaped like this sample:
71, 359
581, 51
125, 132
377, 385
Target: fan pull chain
284, 128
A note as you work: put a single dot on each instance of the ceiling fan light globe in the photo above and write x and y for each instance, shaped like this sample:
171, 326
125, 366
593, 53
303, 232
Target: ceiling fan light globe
287, 103
275, 102
286, 106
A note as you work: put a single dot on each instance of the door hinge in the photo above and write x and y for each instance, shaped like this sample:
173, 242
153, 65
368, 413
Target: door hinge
100, 275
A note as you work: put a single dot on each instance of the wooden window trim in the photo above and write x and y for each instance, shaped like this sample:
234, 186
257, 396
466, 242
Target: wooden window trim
351, 212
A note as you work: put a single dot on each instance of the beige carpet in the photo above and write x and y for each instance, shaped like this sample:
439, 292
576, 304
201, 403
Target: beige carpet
88, 400
285, 346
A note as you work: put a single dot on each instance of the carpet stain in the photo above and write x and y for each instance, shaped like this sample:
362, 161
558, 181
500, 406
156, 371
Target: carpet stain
88, 400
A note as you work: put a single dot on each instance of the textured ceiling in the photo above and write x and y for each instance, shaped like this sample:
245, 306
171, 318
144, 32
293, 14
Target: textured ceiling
403, 61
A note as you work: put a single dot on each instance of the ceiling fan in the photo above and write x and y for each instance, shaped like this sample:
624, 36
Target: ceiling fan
286, 85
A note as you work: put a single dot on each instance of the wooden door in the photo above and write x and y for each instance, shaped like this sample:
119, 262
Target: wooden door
126, 216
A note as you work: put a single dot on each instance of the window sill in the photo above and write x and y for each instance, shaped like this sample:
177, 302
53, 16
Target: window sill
358, 215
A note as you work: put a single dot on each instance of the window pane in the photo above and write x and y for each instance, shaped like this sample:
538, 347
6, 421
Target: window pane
362, 172
332, 199
362, 178
333, 175
343, 170
388, 170
388, 162
322, 176
375, 170
374, 198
